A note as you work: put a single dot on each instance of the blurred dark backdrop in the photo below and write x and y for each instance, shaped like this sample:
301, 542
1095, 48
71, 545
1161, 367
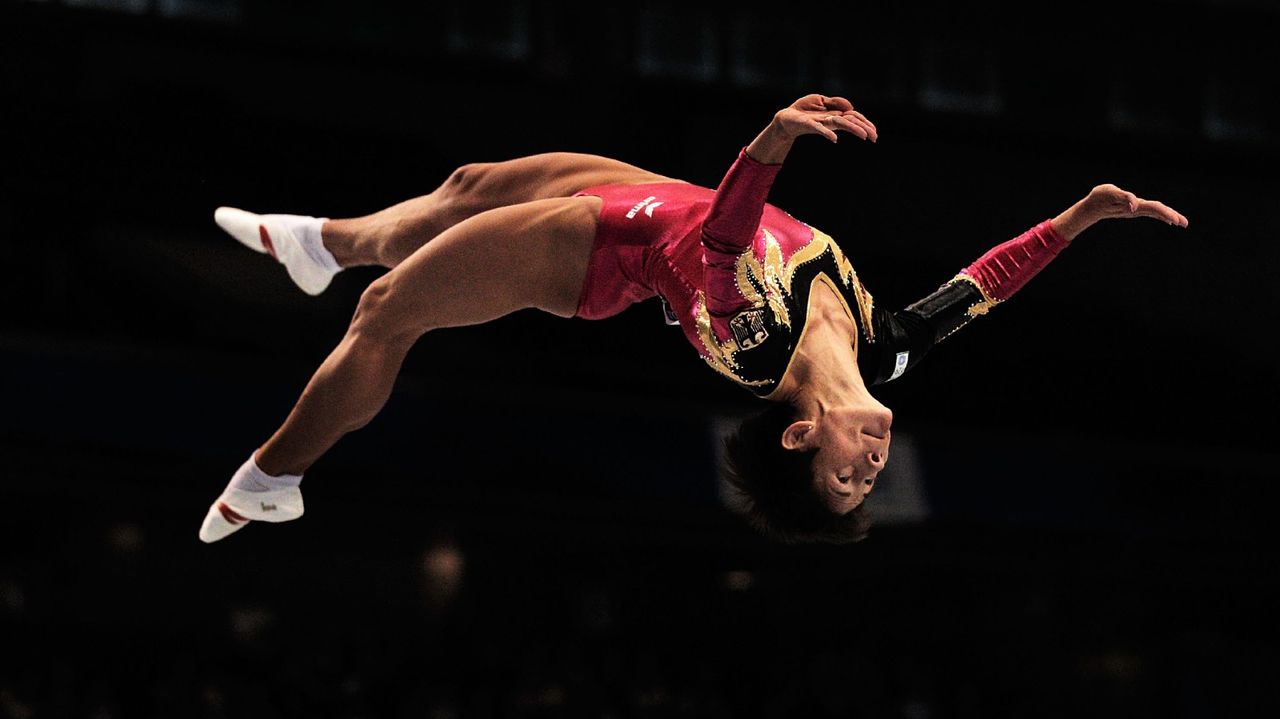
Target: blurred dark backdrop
1078, 517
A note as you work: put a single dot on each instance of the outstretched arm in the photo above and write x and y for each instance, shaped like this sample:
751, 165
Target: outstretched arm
810, 115
734, 215
1005, 269
999, 274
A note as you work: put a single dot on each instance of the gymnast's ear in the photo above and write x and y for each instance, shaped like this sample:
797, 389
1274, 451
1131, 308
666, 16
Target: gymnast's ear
799, 435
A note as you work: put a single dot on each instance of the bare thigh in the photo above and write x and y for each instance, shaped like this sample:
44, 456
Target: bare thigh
483, 186
390, 236
529, 255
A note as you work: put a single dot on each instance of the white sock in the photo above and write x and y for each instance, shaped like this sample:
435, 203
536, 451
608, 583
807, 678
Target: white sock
251, 478
307, 230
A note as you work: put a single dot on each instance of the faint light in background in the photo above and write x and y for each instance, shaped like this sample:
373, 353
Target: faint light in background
444, 564
960, 78
126, 538
133, 7
221, 10
769, 51
680, 44
445, 711
213, 698
739, 580
916, 709
1231, 112
250, 623
494, 29
217, 10
443, 567
844, 70
11, 706
1134, 107
1118, 664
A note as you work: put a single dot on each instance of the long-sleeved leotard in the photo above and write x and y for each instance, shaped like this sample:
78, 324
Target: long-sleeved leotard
737, 273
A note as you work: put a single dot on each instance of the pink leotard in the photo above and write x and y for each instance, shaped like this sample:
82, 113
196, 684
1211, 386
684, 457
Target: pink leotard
736, 273
715, 257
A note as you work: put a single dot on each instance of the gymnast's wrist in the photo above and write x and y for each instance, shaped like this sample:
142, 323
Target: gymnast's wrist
1072, 221
772, 145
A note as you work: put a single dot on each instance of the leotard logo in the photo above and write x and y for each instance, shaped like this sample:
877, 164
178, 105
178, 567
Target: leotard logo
644, 205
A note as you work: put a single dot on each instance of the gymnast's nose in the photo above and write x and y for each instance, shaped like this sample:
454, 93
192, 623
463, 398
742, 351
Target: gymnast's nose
876, 458
879, 424
878, 452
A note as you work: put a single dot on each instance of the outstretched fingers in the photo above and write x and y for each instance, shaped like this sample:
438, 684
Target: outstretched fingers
860, 121
826, 115
1157, 210
1154, 209
850, 122
824, 125
1108, 201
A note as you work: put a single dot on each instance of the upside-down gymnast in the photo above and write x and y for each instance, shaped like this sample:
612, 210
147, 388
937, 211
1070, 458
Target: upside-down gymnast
768, 301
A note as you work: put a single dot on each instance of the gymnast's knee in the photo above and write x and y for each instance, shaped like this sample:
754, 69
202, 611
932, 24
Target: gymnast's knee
462, 194
380, 317
466, 179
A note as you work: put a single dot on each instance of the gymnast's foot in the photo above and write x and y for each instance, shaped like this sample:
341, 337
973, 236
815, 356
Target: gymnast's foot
294, 240
252, 495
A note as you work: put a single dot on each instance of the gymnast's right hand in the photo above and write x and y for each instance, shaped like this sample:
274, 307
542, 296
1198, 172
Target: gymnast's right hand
823, 115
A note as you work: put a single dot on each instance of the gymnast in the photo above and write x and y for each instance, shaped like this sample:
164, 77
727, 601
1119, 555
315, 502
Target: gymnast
768, 301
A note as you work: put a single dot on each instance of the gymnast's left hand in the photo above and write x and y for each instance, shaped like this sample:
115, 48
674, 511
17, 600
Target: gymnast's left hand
823, 115
1108, 202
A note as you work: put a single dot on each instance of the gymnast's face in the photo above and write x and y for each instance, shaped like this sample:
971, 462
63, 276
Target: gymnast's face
852, 446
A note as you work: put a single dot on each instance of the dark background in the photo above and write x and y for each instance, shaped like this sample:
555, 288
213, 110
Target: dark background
1079, 514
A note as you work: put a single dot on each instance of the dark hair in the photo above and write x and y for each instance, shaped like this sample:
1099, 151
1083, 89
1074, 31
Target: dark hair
775, 484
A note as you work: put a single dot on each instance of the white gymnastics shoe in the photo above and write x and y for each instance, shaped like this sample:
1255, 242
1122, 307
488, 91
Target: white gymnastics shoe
294, 240
252, 495
237, 507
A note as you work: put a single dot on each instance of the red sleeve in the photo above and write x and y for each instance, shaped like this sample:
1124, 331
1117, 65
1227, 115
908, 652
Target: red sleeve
1008, 266
729, 229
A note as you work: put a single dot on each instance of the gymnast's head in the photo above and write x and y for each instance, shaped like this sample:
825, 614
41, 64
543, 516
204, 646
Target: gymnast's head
802, 473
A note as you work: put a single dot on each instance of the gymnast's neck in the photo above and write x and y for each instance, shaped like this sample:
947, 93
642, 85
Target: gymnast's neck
823, 372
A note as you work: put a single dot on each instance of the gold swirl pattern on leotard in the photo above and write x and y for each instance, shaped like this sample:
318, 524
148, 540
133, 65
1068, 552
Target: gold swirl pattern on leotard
977, 308
849, 279
769, 282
